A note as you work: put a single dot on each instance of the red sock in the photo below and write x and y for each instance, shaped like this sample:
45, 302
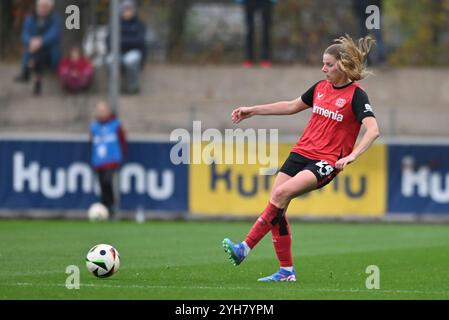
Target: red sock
262, 225
282, 241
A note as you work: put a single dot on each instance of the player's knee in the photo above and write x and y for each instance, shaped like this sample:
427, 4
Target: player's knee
280, 195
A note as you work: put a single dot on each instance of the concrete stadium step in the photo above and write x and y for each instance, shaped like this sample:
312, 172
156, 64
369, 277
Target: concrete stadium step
406, 101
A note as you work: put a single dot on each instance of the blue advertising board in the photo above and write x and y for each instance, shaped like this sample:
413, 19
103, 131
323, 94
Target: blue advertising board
418, 179
57, 175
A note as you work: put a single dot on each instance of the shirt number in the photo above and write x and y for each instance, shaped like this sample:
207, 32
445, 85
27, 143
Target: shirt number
324, 168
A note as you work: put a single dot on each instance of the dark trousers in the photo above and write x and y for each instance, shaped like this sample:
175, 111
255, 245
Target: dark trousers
251, 8
36, 61
106, 178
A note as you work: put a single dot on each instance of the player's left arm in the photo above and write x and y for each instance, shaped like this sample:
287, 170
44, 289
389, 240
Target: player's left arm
122, 139
371, 134
364, 113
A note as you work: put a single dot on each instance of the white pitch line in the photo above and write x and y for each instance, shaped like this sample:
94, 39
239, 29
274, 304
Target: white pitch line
300, 289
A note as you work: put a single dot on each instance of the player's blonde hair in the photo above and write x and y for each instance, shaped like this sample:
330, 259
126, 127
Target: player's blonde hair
351, 56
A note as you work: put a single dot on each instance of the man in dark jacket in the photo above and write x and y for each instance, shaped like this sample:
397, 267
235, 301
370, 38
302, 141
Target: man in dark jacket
41, 39
133, 49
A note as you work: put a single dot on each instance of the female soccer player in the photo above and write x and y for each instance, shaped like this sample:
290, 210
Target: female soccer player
339, 108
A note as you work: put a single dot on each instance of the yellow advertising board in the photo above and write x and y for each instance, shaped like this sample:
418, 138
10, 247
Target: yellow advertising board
240, 190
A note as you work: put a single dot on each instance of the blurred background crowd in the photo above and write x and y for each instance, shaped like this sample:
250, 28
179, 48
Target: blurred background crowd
164, 42
201, 31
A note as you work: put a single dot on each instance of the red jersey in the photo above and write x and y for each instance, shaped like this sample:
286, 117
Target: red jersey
335, 122
81, 67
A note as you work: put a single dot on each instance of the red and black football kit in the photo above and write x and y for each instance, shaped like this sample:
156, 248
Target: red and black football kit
337, 114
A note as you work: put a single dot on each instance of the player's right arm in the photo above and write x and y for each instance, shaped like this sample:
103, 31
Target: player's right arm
277, 108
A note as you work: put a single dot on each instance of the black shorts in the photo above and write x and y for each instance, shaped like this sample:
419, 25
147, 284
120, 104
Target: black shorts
322, 170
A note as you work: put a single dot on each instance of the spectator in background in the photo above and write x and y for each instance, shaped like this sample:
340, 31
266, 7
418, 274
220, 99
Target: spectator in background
378, 55
20, 9
108, 150
41, 36
133, 48
251, 8
75, 71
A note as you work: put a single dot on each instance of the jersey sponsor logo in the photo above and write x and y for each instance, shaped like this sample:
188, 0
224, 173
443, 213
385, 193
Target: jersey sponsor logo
340, 102
368, 108
320, 95
334, 115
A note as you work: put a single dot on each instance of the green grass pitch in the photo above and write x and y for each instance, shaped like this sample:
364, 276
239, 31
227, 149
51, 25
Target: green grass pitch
185, 260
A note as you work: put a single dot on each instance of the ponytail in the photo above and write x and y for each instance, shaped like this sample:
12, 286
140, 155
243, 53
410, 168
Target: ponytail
351, 56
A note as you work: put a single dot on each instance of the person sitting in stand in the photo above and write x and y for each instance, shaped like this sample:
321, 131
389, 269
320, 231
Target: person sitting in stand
75, 71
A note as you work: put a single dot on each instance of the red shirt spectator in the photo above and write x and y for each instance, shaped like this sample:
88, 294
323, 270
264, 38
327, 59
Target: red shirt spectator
75, 71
